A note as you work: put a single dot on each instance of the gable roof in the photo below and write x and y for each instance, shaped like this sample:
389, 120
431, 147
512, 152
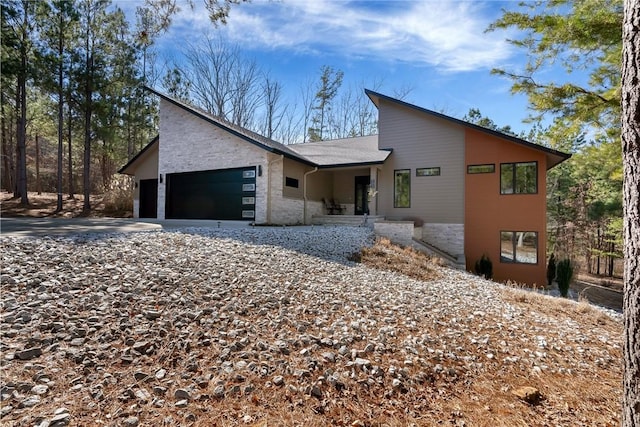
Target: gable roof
334, 153
554, 157
243, 133
147, 148
358, 151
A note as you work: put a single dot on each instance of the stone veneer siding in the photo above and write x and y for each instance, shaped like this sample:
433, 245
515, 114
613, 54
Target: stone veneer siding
189, 143
399, 232
446, 237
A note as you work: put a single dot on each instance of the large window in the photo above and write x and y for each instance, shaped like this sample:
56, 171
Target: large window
519, 247
402, 188
519, 178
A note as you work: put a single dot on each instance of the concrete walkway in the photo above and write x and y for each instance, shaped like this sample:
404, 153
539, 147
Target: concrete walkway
23, 227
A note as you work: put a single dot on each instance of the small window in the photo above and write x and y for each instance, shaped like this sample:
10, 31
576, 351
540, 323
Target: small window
248, 200
519, 178
291, 182
248, 187
488, 168
249, 174
428, 171
402, 188
519, 247
248, 214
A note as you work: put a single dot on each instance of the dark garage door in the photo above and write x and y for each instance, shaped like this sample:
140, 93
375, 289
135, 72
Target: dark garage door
225, 194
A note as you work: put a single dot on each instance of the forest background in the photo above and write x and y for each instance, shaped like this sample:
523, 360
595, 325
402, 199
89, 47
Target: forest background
74, 108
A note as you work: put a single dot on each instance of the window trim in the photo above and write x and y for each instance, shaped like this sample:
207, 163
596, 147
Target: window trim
493, 168
395, 188
514, 247
514, 175
435, 169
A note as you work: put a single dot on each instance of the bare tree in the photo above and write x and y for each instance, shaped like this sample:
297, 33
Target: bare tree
289, 132
273, 110
631, 196
221, 81
246, 94
307, 98
209, 72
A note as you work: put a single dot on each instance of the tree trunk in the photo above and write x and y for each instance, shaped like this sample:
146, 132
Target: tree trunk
21, 143
60, 108
598, 268
7, 153
611, 258
86, 168
631, 203
22, 114
38, 184
70, 129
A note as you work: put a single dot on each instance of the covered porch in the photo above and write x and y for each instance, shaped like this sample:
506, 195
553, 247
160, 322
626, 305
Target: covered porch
342, 195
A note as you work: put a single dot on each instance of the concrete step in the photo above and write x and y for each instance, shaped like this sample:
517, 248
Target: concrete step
354, 220
430, 249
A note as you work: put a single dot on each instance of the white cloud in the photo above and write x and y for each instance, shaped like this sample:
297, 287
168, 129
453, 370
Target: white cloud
446, 34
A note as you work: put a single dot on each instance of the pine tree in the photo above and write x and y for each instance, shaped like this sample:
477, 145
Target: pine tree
330, 82
56, 44
631, 161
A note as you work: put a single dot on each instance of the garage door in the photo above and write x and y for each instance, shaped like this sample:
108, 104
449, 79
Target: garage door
225, 194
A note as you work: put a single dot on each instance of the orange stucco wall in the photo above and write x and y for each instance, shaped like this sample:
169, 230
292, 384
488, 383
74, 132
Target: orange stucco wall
487, 212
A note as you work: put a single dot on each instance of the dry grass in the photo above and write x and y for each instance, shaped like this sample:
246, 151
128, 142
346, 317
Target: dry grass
557, 307
384, 255
113, 204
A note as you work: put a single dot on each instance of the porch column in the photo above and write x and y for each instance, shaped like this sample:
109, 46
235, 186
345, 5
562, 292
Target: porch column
373, 190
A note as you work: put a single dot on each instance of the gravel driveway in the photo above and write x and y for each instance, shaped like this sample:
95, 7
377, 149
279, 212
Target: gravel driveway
150, 327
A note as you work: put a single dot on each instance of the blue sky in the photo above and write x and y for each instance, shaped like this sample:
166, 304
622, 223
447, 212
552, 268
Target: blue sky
439, 49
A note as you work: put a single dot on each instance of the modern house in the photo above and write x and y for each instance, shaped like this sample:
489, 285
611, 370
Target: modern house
472, 190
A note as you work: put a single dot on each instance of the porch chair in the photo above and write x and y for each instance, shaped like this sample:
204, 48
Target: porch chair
332, 207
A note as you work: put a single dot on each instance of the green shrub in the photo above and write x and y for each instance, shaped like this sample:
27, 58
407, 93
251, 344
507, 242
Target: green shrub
551, 270
564, 275
484, 267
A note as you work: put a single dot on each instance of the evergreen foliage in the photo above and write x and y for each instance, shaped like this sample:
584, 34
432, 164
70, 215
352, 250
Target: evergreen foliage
551, 270
564, 276
484, 267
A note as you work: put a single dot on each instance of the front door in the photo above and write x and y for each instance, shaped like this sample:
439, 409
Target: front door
148, 198
362, 195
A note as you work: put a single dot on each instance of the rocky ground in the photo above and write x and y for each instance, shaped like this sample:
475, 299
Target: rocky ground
275, 326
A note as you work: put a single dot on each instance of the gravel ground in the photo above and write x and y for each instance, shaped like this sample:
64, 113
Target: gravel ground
150, 328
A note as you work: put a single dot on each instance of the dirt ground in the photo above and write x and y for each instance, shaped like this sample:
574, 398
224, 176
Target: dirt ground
44, 206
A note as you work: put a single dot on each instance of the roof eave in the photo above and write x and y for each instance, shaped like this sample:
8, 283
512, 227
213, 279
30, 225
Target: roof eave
554, 160
228, 129
134, 159
351, 165
375, 97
